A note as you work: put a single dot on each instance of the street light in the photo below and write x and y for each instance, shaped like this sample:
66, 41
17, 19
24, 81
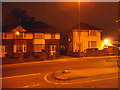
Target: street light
107, 43
79, 26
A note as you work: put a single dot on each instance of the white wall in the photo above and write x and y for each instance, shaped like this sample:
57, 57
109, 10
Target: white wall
81, 38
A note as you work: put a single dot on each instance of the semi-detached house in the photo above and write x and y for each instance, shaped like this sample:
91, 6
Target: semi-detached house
83, 37
38, 42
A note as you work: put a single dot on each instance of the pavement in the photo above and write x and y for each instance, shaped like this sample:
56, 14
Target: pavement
61, 58
83, 73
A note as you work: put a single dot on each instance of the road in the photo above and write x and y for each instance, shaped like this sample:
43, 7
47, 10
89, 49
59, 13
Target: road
38, 75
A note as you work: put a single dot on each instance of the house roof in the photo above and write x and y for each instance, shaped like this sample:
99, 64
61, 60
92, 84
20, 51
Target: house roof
84, 26
32, 27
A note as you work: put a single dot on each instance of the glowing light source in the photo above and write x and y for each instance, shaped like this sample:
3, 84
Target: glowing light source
17, 33
69, 39
107, 43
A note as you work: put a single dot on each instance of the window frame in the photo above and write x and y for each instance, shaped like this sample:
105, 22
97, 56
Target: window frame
18, 46
90, 44
21, 36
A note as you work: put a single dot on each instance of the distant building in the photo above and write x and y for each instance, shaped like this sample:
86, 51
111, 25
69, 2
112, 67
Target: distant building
117, 42
85, 37
34, 42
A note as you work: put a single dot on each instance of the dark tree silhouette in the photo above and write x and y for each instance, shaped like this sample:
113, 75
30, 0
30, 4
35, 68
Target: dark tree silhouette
16, 16
20, 17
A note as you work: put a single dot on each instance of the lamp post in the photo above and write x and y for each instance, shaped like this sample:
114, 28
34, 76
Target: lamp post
79, 25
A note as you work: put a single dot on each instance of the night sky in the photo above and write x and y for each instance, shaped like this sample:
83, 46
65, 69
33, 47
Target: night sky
65, 15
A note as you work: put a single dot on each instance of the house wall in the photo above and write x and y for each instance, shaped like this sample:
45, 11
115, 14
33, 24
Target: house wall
7, 35
29, 44
49, 42
28, 35
69, 43
81, 38
43, 40
11, 43
29, 40
8, 43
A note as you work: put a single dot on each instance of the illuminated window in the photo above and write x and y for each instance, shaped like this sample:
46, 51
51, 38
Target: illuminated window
39, 47
20, 36
92, 44
89, 44
119, 48
3, 48
92, 33
47, 36
20, 48
4, 36
39, 36
57, 36
52, 47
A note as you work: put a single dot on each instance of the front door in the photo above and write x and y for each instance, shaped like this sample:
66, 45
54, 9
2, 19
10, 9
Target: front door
52, 49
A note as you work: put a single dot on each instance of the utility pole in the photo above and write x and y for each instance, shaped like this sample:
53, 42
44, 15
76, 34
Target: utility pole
79, 25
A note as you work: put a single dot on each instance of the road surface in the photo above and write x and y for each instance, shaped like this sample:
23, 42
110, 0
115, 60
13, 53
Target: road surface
39, 75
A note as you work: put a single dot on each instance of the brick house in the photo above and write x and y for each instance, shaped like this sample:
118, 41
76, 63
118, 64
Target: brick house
30, 42
80, 39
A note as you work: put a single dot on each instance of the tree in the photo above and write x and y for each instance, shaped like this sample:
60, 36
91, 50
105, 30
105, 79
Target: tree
16, 16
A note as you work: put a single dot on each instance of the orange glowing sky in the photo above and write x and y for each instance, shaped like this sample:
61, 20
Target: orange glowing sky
65, 15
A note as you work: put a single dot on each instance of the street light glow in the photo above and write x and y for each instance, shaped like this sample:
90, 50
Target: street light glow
106, 41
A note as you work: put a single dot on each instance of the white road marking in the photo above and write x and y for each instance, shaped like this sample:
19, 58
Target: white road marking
45, 78
21, 76
31, 86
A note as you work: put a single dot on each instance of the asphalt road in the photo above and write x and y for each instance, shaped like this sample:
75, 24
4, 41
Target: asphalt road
38, 75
